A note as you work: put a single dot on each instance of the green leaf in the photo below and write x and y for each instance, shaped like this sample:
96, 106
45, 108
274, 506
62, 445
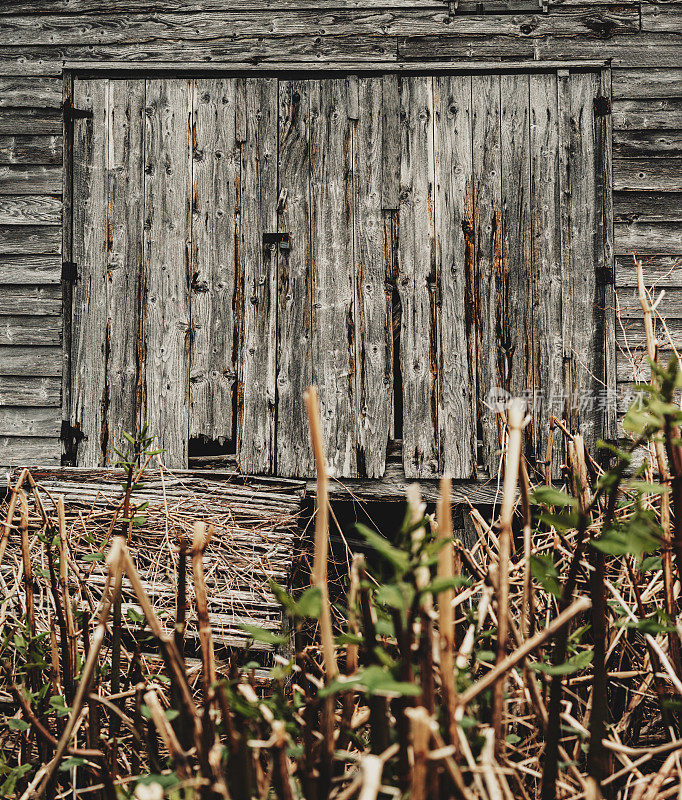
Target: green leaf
549, 496
439, 585
543, 569
58, 704
395, 595
374, 680
574, 664
134, 615
15, 724
66, 765
651, 564
93, 557
309, 604
263, 636
398, 558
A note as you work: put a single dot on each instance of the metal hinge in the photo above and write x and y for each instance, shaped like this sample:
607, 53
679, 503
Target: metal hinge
604, 275
602, 106
69, 271
70, 113
281, 240
70, 436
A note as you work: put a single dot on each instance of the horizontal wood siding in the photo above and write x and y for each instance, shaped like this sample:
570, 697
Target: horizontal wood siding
30, 268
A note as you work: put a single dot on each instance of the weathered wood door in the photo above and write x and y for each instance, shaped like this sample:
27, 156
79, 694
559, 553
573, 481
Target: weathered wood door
408, 243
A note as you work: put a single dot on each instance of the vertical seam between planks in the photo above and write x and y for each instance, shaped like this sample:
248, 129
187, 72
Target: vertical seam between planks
275, 300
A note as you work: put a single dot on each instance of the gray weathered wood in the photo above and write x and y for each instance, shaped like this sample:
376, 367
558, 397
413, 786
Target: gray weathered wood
606, 307
373, 367
659, 270
125, 217
416, 280
20, 149
333, 345
669, 307
168, 170
258, 266
294, 346
31, 121
666, 18
214, 233
30, 269
489, 285
30, 210
516, 287
654, 174
30, 391
665, 114
29, 422
632, 206
89, 339
650, 143
19, 91
27, 451
108, 28
23, 330
38, 300
390, 139
453, 210
548, 347
38, 362
637, 84
30, 240
648, 237
30, 178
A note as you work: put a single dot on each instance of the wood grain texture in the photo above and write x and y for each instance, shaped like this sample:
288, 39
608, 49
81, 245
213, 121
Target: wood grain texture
30, 179
659, 270
31, 362
30, 269
333, 340
657, 174
516, 299
29, 421
19, 91
548, 345
648, 237
21, 149
30, 391
124, 222
665, 114
294, 345
649, 143
37, 300
453, 212
633, 206
168, 170
637, 84
30, 31
214, 233
416, 280
22, 330
89, 323
30, 240
30, 210
489, 263
667, 18
31, 121
28, 451
256, 445
390, 149
373, 367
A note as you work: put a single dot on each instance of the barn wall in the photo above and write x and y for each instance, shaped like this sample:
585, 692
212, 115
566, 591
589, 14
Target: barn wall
37, 37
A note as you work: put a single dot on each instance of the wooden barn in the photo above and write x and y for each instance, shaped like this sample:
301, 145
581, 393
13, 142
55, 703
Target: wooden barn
417, 205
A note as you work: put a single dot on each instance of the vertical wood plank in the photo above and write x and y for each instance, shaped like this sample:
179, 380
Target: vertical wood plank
373, 324
294, 367
333, 283
214, 211
125, 209
390, 137
88, 342
67, 255
168, 186
489, 280
584, 314
453, 177
605, 173
258, 194
517, 322
546, 259
416, 254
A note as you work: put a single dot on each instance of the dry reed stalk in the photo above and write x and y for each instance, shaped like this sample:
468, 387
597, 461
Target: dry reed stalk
515, 425
420, 734
663, 472
7, 524
446, 621
527, 616
167, 734
71, 633
201, 539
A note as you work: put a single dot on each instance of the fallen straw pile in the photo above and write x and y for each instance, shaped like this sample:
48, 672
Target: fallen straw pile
545, 662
